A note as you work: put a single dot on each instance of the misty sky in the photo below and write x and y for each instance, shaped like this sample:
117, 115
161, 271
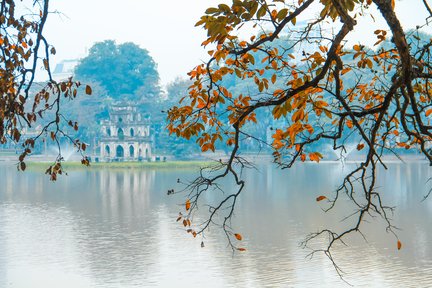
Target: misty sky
164, 27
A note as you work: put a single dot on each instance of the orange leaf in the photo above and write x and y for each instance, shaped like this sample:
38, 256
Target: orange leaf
241, 249
399, 244
184, 223
201, 103
345, 70
238, 237
315, 156
273, 78
428, 112
187, 205
303, 157
323, 49
360, 146
320, 198
88, 90
309, 128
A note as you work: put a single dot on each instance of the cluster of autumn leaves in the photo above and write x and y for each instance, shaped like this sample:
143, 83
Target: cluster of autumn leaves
323, 92
16, 49
23, 48
200, 117
54, 127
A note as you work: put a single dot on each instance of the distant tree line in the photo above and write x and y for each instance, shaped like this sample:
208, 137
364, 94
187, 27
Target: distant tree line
126, 72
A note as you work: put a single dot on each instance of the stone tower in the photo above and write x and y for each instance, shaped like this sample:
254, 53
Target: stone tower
126, 135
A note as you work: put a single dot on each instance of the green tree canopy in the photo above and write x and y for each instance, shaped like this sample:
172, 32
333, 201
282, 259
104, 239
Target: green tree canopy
122, 69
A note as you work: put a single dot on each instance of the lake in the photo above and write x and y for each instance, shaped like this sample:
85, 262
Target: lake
117, 228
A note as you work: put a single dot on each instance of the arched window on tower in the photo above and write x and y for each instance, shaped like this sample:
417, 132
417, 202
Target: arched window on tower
119, 151
107, 150
131, 151
120, 133
132, 132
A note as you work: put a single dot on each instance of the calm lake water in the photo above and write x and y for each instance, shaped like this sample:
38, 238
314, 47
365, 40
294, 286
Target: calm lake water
116, 228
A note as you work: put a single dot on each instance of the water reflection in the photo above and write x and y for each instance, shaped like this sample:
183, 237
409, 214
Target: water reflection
116, 228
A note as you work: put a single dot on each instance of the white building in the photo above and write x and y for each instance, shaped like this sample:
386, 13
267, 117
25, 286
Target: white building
126, 135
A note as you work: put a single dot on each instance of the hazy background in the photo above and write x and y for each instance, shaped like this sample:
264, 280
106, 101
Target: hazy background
165, 28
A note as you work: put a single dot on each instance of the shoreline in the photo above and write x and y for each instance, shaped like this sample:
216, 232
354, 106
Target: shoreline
198, 163
75, 165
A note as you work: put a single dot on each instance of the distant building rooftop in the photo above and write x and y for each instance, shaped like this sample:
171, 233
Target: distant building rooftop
64, 69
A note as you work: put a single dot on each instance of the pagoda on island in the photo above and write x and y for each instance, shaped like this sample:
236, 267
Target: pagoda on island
126, 135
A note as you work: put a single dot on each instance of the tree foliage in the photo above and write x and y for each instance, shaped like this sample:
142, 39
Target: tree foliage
164, 142
123, 70
317, 87
23, 104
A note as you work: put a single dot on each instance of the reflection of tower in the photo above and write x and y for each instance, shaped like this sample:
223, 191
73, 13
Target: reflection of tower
126, 135
125, 192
